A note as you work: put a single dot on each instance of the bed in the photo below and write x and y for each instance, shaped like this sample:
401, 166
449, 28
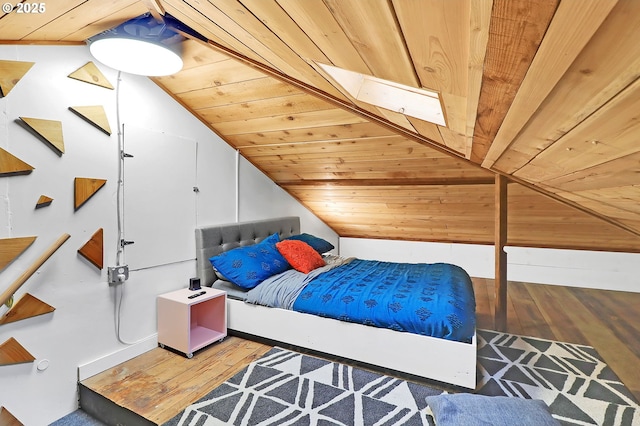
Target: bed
449, 359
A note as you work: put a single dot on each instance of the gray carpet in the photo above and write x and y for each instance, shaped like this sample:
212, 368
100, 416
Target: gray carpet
286, 387
77, 418
573, 380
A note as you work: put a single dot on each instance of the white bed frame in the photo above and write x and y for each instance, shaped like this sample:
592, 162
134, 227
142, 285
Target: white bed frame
427, 357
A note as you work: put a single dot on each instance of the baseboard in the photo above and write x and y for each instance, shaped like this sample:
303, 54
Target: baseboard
111, 360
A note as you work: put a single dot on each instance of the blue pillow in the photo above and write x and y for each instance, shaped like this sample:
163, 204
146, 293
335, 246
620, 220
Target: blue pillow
249, 266
475, 410
318, 244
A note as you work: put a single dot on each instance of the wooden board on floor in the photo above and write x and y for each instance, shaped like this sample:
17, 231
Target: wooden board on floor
159, 384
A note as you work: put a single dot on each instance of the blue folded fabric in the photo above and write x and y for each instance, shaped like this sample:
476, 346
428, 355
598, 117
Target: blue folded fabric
480, 410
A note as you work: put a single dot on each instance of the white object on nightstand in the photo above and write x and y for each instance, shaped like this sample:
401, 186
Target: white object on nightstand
188, 324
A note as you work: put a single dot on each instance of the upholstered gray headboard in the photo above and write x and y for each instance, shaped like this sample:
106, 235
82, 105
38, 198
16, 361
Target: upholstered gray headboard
214, 239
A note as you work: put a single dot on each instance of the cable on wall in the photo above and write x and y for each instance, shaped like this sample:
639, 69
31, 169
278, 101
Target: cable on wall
117, 314
196, 189
119, 200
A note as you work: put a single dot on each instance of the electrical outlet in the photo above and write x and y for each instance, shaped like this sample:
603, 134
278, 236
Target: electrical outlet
118, 274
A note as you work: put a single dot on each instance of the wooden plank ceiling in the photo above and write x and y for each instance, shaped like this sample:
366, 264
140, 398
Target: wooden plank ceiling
544, 92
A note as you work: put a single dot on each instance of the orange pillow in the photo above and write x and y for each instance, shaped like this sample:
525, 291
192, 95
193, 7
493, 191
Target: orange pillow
300, 255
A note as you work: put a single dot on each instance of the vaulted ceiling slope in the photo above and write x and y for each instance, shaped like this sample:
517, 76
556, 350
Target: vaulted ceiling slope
544, 92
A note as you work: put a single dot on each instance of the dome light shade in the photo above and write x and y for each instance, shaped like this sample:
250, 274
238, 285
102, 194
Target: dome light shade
141, 46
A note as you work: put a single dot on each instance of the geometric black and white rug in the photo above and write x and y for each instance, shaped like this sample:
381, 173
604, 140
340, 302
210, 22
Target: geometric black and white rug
285, 387
576, 384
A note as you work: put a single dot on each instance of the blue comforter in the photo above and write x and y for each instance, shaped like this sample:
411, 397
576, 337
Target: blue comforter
429, 299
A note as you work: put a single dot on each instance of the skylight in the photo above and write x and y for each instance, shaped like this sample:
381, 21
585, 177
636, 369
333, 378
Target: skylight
407, 100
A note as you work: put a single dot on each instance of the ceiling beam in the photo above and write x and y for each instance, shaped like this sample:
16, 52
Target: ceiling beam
570, 30
524, 23
489, 180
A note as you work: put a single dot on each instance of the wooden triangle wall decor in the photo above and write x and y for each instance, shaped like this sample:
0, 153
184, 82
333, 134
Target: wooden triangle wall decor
86, 188
95, 115
49, 130
28, 306
7, 419
11, 165
11, 248
12, 352
93, 249
10, 74
43, 201
89, 73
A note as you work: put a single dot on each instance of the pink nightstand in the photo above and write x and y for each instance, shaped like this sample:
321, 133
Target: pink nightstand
188, 324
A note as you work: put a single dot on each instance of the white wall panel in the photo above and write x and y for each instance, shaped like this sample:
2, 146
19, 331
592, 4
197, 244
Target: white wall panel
599, 270
159, 200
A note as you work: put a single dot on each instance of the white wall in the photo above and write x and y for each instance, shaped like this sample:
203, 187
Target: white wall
589, 269
81, 330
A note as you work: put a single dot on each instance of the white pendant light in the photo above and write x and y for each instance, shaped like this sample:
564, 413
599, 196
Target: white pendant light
141, 46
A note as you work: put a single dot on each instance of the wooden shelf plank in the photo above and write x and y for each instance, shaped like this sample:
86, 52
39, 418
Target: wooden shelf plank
86, 188
7, 419
89, 73
95, 115
93, 249
171, 376
43, 201
49, 130
11, 165
12, 352
11, 72
11, 248
28, 306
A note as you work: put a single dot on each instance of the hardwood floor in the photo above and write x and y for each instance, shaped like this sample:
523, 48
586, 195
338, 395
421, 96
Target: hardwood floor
607, 320
159, 384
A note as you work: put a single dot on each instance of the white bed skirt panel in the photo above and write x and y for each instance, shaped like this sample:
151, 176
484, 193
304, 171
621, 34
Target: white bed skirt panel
432, 358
